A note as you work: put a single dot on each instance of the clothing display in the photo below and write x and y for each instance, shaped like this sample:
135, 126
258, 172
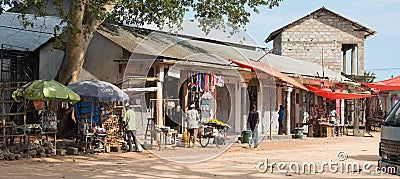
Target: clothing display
201, 87
207, 106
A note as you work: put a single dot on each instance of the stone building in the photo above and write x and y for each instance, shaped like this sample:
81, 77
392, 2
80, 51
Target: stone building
326, 38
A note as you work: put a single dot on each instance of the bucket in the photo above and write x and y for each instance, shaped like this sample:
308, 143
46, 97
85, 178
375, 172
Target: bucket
246, 136
298, 133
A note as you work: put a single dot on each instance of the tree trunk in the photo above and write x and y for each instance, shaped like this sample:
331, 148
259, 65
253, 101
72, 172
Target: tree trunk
76, 46
82, 25
73, 62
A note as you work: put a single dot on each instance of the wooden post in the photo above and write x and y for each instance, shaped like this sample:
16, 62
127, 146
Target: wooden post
160, 110
270, 113
288, 102
3, 113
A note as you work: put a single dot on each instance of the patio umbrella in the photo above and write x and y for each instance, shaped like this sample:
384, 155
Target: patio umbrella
98, 90
46, 90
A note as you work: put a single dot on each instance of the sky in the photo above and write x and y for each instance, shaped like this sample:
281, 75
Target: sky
381, 50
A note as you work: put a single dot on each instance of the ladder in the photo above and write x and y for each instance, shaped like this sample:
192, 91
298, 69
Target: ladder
150, 128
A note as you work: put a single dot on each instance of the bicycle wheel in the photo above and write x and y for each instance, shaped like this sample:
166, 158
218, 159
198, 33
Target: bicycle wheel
204, 140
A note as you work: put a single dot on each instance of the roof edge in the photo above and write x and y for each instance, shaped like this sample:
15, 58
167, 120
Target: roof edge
369, 31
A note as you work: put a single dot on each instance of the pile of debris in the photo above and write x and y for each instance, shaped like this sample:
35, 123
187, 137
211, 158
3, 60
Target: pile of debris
5, 154
34, 150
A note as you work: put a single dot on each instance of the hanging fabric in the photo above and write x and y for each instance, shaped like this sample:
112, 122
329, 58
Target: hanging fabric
212, 85
198, 82
207, 106
206, 82
202, 81
190, 87
220, 81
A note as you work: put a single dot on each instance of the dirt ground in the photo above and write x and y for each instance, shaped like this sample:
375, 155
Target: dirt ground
237, 161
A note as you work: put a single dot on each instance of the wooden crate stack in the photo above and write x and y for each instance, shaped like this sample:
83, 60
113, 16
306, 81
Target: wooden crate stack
112, 127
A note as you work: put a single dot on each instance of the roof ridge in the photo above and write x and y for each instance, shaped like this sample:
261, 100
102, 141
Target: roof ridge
354, 23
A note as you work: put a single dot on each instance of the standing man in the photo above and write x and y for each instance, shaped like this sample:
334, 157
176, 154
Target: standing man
130, 127
332, 120
254, 120
192, 117
281, 117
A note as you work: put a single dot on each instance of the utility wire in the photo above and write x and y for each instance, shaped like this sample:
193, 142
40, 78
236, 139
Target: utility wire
378, 69
15, 28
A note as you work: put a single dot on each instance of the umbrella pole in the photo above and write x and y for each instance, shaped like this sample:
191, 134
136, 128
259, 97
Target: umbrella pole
91, 118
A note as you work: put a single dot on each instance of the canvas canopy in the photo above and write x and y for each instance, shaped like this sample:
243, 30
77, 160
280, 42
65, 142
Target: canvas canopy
327, 93
43, 90
391, 84
260, 66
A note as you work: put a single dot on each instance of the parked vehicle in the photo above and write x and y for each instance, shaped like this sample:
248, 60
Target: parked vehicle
389, 147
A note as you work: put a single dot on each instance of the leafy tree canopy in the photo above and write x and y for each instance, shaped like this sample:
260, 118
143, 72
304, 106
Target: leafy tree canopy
81, 18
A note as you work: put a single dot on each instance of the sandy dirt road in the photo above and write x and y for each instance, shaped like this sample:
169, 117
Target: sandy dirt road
237, 162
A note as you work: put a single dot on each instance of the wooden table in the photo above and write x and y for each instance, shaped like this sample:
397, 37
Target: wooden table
327, 130
321, 130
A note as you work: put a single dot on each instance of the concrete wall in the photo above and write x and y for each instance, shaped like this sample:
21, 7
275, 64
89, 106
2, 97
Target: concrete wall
319, 37
99, 63
49, 61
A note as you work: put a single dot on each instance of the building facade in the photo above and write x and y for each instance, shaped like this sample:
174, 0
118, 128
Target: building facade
326, 38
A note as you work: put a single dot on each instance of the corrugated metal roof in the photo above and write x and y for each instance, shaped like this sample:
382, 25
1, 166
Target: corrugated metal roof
294, 66
13, 33
161, 44
305, 68
193, 29
171, 46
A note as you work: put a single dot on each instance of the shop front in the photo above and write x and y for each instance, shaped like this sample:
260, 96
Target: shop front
330, 108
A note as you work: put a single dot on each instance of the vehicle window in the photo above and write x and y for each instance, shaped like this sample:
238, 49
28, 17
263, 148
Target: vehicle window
394, 116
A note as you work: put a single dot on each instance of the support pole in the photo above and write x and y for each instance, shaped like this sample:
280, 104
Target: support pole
288, 98
244, 106
160, 95
353, 61
270, 113
353, 114
344, 62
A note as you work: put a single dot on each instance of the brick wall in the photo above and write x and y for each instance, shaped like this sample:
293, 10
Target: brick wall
319, 37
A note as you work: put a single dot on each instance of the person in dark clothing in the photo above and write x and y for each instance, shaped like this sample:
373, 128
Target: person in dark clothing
281, 116
254, 119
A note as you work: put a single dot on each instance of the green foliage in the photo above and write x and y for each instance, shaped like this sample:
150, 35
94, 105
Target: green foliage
81, 19
214, 13
371, 76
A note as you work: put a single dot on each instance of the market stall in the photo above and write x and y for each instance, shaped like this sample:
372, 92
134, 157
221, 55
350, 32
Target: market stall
202, 93
98, 123
324, 117
41, 92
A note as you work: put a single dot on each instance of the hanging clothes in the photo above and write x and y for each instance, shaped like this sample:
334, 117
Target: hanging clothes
203, 82
206, 82
212, 85
198, 82
190, 87
207, 106
220, 81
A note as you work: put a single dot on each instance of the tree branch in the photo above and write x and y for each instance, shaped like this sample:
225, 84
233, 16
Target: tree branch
93, 20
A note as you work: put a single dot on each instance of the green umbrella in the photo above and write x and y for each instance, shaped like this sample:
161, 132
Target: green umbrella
46, 90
